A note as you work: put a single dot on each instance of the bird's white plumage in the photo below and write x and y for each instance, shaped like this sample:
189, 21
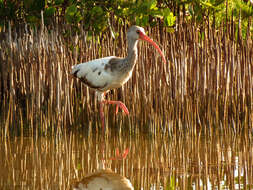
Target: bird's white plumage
94, 71
106, 73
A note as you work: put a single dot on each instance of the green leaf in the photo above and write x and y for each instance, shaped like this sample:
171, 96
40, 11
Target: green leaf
145, 20
71, 10
58, 2
97, 11
169, 18
207, 4
32, 19
49, 12
152, 4
73, 15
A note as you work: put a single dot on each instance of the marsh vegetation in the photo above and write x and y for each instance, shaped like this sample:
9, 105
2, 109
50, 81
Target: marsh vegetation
190, 122
206, 85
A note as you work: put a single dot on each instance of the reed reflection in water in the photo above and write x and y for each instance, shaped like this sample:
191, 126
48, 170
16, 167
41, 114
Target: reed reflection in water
153, 162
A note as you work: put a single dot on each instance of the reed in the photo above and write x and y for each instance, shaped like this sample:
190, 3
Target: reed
206, 85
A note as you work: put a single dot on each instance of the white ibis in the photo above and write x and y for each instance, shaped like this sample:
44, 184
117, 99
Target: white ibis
112, 72
103, 179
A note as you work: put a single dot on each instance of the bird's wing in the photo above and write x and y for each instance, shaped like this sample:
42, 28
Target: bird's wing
93, 74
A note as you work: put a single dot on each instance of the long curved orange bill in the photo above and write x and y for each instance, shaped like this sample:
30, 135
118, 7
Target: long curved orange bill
146, 38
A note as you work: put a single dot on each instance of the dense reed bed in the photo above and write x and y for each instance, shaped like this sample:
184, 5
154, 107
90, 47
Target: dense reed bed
206, 85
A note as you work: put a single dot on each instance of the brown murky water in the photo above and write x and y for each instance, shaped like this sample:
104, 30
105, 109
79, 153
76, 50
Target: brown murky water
153, 162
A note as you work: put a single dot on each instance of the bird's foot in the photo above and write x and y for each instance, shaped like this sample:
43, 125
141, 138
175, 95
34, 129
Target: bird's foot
119, 104
123, 107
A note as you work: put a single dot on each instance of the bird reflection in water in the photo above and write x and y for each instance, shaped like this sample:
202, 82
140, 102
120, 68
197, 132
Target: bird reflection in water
104, 178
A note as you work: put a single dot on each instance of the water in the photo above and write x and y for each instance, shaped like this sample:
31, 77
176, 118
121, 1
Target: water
153, 162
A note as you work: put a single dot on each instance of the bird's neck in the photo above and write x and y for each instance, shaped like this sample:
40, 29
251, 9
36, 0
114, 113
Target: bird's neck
132, 53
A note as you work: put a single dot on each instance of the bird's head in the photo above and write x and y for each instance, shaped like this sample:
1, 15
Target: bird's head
138, 33
135, 32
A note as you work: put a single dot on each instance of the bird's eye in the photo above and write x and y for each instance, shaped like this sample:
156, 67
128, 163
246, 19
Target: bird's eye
138, 31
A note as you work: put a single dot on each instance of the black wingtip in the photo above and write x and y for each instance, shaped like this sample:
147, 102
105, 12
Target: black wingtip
75, 73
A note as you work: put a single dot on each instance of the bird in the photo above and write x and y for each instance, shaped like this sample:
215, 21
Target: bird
112, 72
103, 179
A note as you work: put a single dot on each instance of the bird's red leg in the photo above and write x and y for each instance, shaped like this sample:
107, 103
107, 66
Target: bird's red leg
118, 104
